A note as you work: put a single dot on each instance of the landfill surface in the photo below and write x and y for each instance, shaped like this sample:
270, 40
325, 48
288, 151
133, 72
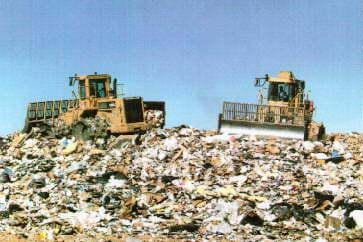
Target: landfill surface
181, 184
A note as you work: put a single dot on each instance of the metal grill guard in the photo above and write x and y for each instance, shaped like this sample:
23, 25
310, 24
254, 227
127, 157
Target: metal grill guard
253, 119
263, 114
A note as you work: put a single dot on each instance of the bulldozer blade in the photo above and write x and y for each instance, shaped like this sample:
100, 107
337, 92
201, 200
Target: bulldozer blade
262, 129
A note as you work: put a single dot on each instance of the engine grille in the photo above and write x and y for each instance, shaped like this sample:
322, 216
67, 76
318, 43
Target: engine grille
133, 110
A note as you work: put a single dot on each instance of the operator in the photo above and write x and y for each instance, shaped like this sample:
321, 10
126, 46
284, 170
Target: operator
283, 95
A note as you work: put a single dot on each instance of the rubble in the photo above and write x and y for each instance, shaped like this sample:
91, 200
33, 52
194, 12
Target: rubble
357, 216
154, 118
182, 182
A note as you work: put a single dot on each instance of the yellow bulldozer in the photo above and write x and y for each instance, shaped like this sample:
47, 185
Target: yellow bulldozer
98, 98
285, 111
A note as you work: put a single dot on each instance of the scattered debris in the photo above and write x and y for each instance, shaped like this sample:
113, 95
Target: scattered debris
182, 181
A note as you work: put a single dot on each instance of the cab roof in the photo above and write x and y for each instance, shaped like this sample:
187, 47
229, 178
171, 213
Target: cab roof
284, 76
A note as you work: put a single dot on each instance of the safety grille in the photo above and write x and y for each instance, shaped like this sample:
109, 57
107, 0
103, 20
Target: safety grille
133, 110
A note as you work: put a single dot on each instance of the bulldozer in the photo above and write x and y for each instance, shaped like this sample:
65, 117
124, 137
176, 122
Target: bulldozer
283, 110
95, 97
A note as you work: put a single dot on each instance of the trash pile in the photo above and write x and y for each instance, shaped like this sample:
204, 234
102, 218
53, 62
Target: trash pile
183, 183
155, 118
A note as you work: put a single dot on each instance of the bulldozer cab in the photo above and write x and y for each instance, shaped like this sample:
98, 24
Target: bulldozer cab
281, 92
94, 86
285, 90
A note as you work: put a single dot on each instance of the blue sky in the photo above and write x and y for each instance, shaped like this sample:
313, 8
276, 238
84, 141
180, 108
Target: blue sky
192, 54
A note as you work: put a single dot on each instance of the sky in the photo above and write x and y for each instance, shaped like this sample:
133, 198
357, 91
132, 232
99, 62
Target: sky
191, 54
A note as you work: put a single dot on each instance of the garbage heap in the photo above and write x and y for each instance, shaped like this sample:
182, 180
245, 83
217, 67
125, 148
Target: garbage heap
155, 118
183, 183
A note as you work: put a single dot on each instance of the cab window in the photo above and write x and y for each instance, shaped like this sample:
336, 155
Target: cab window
82, 90
281, 92
98, 88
